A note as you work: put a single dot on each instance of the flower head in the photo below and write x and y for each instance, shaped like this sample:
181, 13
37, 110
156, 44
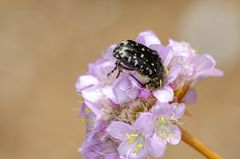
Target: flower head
126, 120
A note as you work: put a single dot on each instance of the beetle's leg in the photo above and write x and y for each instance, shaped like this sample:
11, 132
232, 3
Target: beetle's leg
130, 69
119, 71
120, 67
143, 85
116, 65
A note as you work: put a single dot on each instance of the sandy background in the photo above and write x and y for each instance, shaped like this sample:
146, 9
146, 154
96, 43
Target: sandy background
45, 45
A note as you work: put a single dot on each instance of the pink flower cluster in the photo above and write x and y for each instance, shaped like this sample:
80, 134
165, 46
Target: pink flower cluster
126, 121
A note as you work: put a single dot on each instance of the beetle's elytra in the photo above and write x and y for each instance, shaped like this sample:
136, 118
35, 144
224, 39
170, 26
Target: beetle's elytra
137, 57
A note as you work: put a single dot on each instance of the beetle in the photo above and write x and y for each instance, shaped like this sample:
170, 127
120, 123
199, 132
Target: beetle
134, 56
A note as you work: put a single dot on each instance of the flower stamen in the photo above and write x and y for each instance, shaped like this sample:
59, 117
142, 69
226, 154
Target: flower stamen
173, 118
170, 135
162, 134
137, 148
131, 137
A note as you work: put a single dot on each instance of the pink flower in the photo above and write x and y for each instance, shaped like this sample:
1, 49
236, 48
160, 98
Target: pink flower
136, 140
125, 120
194, 67
166, 117
147, 38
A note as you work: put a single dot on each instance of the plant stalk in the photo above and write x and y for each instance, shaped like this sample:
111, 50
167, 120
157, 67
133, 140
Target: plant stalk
199, 146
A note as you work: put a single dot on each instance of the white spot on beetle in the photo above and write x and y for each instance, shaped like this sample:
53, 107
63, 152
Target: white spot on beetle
135, 63
125, 42
123, 53
150, 72
129, 58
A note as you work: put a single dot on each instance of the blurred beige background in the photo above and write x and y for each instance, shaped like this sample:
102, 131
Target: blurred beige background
45, 45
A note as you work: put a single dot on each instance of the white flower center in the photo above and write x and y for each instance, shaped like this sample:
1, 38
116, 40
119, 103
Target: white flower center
162, 127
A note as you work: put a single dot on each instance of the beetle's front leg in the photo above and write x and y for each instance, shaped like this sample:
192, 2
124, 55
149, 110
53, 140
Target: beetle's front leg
142, 84
116, 65
120, 67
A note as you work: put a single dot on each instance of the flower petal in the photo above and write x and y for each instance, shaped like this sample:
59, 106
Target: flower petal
94, 108
173, 73
108, 91
125, 83
121, 95
179, 110
147, 38
164, 94
140, 125
202, 62
160, 109
174, 135
165, 52
191, 96
126, 150
83, 110
99, 124
144, 94
155, 147
112, 156
118, 129
181, 48
133, 93
210, 72
85, 81
92, 94
124, 89
109, 53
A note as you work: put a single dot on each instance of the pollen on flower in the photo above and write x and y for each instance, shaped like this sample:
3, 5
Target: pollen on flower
131, 137
162, 121
162, 134
138, 148
170, 135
